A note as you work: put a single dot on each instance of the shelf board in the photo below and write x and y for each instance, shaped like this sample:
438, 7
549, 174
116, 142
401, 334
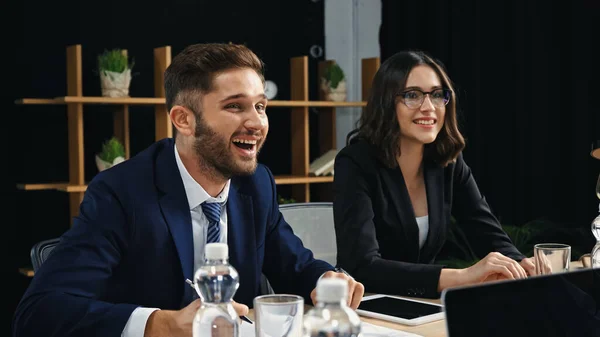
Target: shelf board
316, 104
33, 101
66, 187
160, 100
112, 100
38, 187
28, 271
94, 100
72, 188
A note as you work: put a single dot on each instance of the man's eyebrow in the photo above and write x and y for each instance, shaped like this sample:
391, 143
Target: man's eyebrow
234, 96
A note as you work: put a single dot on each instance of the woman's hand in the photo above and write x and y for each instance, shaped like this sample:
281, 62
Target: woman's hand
493, 267
529, 265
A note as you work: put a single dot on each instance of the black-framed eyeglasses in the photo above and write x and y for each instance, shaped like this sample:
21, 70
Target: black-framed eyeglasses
414, 98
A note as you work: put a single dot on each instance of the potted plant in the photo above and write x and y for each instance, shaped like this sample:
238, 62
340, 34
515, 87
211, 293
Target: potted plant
333, 83
115, 73
281, 200
112, 153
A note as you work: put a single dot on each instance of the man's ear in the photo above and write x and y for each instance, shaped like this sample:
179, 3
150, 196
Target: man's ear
183, 120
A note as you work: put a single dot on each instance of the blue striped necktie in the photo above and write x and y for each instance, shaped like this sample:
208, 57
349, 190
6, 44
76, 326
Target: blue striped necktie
212, 211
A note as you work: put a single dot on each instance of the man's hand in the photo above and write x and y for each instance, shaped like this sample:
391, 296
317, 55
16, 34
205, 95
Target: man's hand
356, 290
179, 322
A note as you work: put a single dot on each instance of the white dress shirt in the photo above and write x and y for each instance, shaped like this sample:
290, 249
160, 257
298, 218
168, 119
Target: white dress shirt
196, 195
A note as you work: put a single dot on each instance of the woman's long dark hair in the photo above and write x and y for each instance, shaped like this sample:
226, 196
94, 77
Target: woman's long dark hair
378, 124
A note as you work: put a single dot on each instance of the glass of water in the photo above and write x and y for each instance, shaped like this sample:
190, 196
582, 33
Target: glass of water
278, 315
551, 258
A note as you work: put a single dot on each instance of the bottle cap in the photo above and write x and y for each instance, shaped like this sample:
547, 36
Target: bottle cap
216, 251
332, 289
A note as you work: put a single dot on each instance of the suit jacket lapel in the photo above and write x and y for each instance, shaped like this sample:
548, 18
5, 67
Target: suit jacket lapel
241, 238
434, 185
403, 206
175, 208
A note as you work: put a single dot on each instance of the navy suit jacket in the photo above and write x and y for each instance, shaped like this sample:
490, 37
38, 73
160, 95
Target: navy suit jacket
132, 245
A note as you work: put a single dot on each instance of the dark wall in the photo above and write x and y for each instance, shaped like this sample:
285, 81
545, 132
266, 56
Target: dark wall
526, 74
35, 55
525, 71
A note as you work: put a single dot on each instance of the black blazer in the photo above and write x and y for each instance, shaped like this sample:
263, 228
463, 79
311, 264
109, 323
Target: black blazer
376, 231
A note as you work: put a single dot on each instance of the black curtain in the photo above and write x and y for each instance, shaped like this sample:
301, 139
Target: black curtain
526, 74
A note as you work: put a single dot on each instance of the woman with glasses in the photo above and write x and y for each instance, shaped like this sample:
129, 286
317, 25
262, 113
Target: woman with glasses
400, 179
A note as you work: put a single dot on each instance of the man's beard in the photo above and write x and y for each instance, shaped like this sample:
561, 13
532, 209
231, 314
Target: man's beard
214, 155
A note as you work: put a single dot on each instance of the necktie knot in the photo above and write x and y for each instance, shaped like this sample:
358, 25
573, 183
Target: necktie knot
212, 211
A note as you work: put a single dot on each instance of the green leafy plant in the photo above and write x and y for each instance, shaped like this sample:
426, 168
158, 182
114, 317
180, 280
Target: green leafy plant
524, 237
334, 75
114, 60
112, 149
281, 200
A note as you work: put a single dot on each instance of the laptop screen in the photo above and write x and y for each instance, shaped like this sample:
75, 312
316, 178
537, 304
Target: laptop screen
566, 304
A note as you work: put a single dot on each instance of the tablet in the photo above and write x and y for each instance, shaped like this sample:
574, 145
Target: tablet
400, 309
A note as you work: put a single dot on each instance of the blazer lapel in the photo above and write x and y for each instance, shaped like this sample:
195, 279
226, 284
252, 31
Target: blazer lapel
402, 204
434, 185
175, 208
180, 224
241, 239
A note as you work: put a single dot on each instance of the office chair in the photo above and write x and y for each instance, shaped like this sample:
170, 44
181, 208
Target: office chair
40, 252
312, 222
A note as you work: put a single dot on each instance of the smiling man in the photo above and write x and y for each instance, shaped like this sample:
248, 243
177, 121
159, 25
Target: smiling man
120, 270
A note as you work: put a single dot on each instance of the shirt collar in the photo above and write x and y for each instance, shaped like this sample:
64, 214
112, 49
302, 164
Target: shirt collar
195, 193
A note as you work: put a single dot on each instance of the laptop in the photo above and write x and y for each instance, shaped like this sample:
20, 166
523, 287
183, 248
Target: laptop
566, 304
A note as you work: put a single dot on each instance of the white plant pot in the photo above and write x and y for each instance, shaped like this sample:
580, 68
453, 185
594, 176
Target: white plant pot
115, 84
103, 165
337, 94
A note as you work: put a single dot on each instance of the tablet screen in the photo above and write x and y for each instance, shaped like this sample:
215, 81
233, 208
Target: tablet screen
398, 307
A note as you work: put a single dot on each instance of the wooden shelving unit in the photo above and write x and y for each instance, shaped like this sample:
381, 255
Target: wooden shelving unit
158, 101
299, 104
75, 101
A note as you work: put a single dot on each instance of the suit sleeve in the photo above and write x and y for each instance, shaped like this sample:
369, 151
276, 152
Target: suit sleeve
289, 266
472, 212
62, 298
356, 238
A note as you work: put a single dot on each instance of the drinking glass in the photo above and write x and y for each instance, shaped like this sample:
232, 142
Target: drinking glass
551, 258
278, 315
598, 187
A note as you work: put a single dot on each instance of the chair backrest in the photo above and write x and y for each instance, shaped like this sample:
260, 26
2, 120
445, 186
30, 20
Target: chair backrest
40, 252
312, 222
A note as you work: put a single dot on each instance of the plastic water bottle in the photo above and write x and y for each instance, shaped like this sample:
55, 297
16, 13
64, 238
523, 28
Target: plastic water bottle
332, 317
216, 282
596, 249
